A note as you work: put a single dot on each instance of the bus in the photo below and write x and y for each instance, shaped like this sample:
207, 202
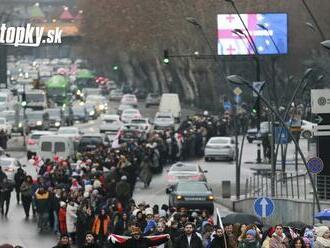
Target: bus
85, 79
58, 90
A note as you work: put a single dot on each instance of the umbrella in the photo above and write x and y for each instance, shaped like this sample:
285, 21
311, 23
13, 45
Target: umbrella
323, 215
296, 224
241, 218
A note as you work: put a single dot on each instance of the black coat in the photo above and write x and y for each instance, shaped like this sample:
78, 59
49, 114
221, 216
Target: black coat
182, 242
218, 242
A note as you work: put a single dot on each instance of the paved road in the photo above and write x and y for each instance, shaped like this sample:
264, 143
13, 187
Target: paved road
18, 231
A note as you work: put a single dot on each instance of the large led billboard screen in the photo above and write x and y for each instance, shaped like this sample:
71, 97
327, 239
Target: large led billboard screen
269, 32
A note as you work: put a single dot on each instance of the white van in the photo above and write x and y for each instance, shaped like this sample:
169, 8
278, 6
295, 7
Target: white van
51, 145
171, 103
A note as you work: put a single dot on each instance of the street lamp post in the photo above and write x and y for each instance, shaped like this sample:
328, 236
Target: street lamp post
326, 44
235, 79
258, 71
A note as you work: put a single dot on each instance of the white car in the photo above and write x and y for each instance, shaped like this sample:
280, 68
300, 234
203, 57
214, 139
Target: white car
220, 147
6, 126
163, 120
130, 114
73, 133
9, 166
110, 123
32, 143
129, 99
115, 95
143, 122
307, 129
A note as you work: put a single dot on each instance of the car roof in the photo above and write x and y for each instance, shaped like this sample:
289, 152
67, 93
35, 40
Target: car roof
7, 158
68, 128
110, 117
221, 138
91, 135
41, 132
126, 110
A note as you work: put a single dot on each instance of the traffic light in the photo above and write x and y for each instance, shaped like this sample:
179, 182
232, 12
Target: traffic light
166, 59
115, 67
23, 102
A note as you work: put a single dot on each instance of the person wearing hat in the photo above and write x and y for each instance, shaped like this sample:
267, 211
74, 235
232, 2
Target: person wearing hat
123, 191
322, 237
250, 241
64, 242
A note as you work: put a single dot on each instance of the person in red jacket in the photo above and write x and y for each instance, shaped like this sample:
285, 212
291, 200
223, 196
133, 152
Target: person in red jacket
62, 218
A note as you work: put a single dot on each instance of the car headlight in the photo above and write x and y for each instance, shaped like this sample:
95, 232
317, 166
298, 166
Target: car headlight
20, 125
101, 106
210, 197
57, 124
78, 92
179, 197
39, 123
92, 112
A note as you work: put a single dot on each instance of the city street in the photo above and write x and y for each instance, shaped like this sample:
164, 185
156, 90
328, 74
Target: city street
17, 230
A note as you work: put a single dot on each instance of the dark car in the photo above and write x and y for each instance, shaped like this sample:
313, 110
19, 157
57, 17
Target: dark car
90, 142
56, 117
140, 93
131, 133
91, 110
152, 99
37, 120
80, 114
253, 134
191, 196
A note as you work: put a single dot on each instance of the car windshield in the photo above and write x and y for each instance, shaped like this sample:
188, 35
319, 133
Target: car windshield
109, 120
54, 113
3, 98
163, 117
192, 187
91, 140
153, 95
183, 167
67, 131
219, 141
78, 110
35, 136
34, 116
2, 121
131, 112
35, 97
138, 121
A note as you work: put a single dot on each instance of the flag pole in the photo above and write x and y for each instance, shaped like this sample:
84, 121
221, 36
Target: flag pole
223, 229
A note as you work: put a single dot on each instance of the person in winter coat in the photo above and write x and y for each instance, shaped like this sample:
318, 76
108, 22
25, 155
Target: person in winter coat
19, 179
230, 237
279, 240
43, 206
161, 230
27, 193
84, 223
121, 224
218, 240
64, 242
100, 227
298, 243
90, 241
322, 237
123, 191
5, 194
62, 218
71, 220
145, 172
250, 241
189, 239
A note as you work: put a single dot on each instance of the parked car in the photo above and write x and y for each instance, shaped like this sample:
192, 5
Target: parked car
32, 143
152, 99
115, 95
163, 120
307, 129
100, 102
129, 114
129, 99
110, 123
220, 148
185, 172
91, 110
191, 195
9, 166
